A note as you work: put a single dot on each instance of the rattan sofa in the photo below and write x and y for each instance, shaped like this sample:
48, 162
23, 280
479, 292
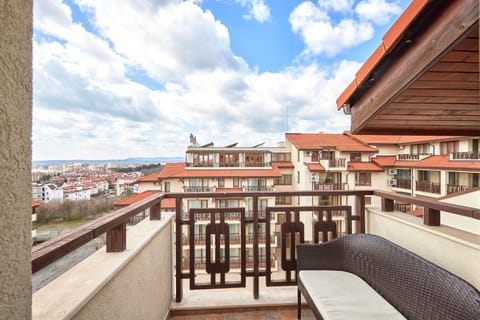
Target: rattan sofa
413, 286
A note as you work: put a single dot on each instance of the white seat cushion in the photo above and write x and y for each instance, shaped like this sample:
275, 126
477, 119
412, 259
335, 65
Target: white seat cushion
342, 295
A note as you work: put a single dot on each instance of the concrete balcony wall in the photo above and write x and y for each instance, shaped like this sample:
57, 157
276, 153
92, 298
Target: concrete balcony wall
133, 284
455, 250
470, 199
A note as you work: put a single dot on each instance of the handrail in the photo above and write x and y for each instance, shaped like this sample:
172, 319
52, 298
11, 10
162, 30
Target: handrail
430, 204
50, 251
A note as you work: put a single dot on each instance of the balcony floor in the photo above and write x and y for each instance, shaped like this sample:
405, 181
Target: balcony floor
265, 313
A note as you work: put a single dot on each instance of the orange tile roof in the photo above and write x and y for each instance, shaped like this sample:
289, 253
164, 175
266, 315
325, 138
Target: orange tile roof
316, 141
385, 161
440, 162
283, 164
135, 198
417, 212
395, 139
390, 39
315, 167
169, 170
432, 162
35, 204
363, 166
228, 190
168, 203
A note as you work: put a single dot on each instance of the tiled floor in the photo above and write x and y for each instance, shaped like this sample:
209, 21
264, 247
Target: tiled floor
289, 313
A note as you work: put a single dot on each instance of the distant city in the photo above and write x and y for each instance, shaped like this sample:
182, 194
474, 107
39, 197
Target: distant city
136, 161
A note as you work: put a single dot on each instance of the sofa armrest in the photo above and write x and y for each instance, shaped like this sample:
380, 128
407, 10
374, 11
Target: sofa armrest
323, 256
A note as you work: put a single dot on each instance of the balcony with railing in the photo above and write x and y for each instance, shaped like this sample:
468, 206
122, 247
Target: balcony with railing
404, 183
198, 189
133, 276
329, 186
427, 186
468, 156
258, 188
455, 188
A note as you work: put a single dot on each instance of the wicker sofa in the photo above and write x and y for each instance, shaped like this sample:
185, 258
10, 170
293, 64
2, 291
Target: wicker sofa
328, 278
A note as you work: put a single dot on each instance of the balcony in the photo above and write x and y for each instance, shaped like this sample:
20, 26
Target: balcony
258, 188
132, 277
229, 165
328, 186
337, 163
404, 183
455, 188
198, 189
427, 186
468, 156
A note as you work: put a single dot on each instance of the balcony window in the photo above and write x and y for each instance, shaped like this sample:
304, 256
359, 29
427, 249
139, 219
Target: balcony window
423, 148
236, 182
167, 187
281, 200
229, 160
355, 157
203, 159
315, 157
449, 147
285, 179
254, 160
221, 182
363, 178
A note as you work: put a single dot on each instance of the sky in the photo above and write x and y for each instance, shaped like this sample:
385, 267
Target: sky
134, 78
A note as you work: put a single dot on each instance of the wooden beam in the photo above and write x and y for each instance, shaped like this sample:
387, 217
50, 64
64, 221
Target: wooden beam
454, 22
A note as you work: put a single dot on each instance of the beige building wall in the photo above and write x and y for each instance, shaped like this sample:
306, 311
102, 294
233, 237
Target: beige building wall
15, 158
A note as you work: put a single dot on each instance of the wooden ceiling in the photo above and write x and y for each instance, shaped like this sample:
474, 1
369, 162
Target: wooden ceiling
433, 86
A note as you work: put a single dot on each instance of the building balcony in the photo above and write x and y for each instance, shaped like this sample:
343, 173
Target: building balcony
199, 189
412, 157
258, 188
454, 188
142, 274
229, 165
465, 156
329, 186
404, 183
427, 186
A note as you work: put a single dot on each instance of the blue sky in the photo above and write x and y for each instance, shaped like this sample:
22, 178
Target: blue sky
118, 79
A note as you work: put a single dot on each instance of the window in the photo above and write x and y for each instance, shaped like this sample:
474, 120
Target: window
221, 182
355, 156
285, 179
283, 200
315, 157
254, 160
236, 182
420, 148
298, 176
229, 160
363, 178
203, 159
449, 147
167, 187
454, 178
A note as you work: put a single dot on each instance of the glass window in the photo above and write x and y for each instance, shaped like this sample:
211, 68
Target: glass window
363, 178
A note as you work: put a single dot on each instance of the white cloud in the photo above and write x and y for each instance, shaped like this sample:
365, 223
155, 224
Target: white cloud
257, 9
336, 5
87, 104
377, 11
321, 34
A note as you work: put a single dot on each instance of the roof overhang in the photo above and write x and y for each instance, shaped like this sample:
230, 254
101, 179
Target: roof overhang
424, 78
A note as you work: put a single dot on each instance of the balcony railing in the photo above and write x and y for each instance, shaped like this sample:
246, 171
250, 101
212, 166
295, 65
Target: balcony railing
238, 164
454, 188
327, 222
427, 186
408, 157
404, 183
258, 188
465, 156
329, 186
198, 189
337, 163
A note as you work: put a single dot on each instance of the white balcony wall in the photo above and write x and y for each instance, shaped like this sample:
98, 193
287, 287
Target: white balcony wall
470, 199
133, 284
454, 250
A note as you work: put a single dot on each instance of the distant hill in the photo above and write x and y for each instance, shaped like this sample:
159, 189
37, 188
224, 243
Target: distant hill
136, 161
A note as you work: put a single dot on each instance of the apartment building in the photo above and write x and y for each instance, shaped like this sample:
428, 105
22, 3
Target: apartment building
46, 192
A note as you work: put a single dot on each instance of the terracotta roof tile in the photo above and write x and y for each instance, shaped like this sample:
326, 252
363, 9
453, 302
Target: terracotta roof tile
169, 170
228, 190
363, 166
135, 198
390, 39
168, 203
35, 204
283, 164
385, 161
315, 141
315, 167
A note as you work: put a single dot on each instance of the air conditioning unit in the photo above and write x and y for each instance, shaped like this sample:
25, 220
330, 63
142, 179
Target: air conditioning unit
314, 179
392, 182
392, 171
307, 153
